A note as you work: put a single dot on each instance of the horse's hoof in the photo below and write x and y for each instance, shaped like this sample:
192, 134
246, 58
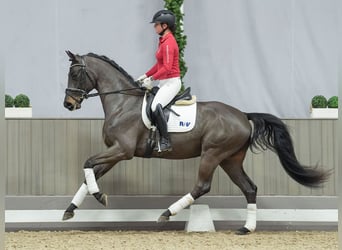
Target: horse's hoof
242, 231
68, 215
103, 200
163, 219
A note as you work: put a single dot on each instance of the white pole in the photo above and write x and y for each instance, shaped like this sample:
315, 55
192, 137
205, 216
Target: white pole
182, 12
339, 130
3, 146
3, 141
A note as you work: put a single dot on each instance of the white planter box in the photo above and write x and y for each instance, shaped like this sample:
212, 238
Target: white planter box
18, 112
324, 113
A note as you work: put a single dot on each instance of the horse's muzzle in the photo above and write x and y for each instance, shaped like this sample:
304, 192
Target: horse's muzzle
71, 104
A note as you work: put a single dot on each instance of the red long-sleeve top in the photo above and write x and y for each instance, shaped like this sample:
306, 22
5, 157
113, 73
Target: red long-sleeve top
167, 56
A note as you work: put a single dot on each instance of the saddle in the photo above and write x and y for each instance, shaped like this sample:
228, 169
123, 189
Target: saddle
184, 98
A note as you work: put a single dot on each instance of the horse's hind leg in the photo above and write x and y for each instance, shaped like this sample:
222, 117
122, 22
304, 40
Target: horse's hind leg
205, 175
233, 167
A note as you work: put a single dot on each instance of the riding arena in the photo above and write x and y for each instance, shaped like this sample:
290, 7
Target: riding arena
251, 165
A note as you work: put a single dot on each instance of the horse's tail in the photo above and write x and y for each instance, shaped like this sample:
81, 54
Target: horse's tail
271, 133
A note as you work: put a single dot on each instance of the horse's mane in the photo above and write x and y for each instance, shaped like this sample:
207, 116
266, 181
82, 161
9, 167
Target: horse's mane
115, 65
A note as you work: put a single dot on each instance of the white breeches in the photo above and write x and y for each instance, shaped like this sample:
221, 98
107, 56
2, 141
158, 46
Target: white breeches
168, 89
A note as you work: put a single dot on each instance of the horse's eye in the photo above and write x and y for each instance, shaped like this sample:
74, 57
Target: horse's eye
73, 76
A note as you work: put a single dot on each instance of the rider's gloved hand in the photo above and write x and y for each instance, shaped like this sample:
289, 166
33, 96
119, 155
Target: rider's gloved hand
141, 78
147, 82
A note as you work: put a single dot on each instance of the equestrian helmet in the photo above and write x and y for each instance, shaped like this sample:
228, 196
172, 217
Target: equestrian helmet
165, 16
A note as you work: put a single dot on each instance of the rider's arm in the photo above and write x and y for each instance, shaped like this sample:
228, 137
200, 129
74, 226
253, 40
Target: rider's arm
152, 71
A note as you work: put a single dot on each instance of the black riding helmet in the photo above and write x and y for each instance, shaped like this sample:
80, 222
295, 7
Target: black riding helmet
167, 17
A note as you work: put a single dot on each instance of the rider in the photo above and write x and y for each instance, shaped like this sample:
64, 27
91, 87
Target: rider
166, 70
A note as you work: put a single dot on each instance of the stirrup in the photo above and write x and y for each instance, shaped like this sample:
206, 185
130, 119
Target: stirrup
163, 147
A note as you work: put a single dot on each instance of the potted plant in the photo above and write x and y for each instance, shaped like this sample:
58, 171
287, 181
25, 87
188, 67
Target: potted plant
323, 108
333, 102
18, 107
9, 101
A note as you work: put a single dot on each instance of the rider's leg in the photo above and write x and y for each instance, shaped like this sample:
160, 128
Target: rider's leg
168, 89
164, 143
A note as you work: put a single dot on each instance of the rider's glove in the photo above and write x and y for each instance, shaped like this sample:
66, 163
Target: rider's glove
141, 78
147, 82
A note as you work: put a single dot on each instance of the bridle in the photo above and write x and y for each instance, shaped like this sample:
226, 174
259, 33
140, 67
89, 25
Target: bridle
79, 94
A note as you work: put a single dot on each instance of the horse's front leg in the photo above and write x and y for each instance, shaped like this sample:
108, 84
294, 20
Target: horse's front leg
110, 157
82, 192
94, 168
91, 182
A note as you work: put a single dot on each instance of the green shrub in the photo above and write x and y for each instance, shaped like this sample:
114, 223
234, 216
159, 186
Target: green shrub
21, 101
175, 7
9, 101
319, 101
333, 102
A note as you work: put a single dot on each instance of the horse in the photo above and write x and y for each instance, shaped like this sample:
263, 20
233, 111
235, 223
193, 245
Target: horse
221, 137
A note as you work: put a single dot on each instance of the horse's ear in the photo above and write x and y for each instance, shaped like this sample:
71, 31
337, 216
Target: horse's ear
72, 57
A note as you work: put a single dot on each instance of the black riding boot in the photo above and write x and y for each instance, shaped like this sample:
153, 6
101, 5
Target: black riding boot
164, 142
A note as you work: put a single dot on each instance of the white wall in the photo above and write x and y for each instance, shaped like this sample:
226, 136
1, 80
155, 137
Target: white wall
266, 56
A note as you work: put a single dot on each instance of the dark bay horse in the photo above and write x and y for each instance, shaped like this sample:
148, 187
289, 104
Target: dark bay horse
221, 137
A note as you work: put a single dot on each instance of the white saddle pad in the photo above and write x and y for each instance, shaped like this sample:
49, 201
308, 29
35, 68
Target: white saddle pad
182, 123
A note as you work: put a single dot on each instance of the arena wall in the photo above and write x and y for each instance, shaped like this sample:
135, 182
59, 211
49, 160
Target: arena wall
45, 158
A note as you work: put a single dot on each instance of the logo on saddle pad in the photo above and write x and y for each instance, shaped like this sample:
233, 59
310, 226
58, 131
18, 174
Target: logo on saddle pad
181, 118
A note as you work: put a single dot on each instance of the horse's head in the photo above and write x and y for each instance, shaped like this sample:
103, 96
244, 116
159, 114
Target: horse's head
79, 82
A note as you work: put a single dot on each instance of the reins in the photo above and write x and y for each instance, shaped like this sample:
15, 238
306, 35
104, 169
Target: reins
85, 95
122, 91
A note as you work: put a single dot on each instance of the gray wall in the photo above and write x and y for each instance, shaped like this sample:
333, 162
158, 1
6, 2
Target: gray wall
45, 157
268, 55
38, 32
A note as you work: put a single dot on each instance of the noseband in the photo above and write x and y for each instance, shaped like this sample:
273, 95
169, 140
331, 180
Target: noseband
79, 94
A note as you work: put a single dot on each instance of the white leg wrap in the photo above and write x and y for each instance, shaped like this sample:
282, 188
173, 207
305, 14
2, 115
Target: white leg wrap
181, 203
91, 181
251, 217
80, 195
